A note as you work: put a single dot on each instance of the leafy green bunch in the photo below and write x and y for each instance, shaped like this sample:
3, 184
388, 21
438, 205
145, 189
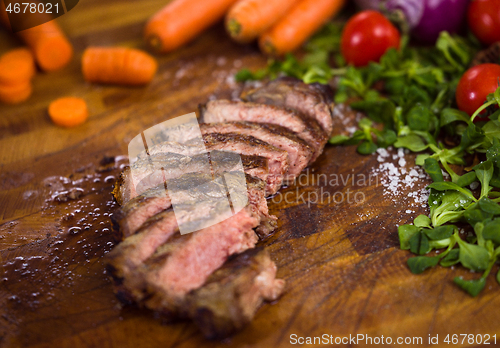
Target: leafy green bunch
416, 85
409, 98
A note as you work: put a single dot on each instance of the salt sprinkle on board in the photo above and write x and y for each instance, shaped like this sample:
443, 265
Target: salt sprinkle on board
394, 173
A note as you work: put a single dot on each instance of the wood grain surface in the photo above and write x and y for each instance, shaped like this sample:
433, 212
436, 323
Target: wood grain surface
339, 254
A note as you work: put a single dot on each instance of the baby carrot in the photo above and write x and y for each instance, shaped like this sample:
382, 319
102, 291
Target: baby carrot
181, 20
118, 65
68, 111
247, 19
15, 93
50, 46
297, 25
17, 65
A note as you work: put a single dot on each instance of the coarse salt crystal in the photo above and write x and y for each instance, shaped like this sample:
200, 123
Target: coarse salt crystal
382, 152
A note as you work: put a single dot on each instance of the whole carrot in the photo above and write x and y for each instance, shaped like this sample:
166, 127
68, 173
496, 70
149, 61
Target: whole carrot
118, 65
247, 19
298, 25
50, 46
181, 20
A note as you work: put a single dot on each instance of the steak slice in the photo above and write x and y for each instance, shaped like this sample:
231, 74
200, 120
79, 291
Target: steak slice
231, 295
128, 256
129, 218
125, 189
247, 145
299, 152
216, 111
314, 100
186, 261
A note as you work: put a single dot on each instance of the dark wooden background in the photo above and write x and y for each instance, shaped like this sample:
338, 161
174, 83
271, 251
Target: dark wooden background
344, 271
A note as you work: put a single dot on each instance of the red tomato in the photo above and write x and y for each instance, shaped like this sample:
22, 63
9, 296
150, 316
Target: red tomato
366, 37
483, 17
475, 85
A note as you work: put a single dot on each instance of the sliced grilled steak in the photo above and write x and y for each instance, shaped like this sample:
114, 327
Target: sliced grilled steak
216, 111
299, 152
128, 256
230, 297
129, 218
186, 261
125, 189
189, 189
313, 100
247, 145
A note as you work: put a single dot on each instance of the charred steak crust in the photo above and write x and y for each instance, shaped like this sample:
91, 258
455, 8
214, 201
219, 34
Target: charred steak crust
314, 100
231, 295
305, 127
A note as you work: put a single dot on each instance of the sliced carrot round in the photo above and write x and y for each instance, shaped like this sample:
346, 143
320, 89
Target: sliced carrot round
68, 111
16, 66
15, 93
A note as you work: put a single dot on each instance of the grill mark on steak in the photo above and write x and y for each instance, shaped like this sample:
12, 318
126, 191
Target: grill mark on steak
314, 100
125, 190
231, 295
216, 111
299, 152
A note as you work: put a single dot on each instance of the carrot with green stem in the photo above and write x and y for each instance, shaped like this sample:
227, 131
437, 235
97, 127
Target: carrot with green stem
118, 65
181, 21
298, 25
248, 19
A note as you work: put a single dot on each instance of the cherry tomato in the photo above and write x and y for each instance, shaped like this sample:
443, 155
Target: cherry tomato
483, 17
475, 85
366, 37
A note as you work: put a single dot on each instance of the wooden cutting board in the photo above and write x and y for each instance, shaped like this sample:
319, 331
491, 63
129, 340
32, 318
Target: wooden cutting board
336, 245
